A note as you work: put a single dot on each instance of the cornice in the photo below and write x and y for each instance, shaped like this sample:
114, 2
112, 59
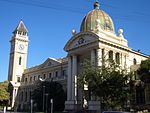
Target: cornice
39, 68
24, 40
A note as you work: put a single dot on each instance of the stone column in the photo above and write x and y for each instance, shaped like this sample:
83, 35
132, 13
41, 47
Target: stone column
93, 57
69, 79
114, 56
99, 57
105, 59
125, 61
69, 103
13, 97
103, 56
106, 54
74, 78
93, 63
72, 104
93, 104
121, 59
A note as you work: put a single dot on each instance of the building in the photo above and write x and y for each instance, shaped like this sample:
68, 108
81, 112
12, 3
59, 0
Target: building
97, 38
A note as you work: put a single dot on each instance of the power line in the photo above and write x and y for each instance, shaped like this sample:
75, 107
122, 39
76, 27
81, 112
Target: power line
58, 7
44, 6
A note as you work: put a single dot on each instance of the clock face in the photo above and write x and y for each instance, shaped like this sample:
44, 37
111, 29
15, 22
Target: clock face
21, 46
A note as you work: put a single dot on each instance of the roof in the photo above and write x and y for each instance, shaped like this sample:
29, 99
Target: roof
97, 19
21, 27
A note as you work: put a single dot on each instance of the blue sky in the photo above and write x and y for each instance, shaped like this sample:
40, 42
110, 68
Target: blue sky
50, 23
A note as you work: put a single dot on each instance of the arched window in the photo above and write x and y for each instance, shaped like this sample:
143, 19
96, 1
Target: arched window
24, 33
44, 76
19, 32
26, 80
111, 55
56, 74
39, 76
34, 78
30, 79
50, 75
117, 55
134, 61
18, 79
20, 60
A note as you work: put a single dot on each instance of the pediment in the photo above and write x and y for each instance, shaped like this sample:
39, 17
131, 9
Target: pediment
81, 39
50, 62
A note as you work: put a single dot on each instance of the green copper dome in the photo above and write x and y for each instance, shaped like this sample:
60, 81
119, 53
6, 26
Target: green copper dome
96, 20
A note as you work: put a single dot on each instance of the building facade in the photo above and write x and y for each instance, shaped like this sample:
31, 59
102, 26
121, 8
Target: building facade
96, 39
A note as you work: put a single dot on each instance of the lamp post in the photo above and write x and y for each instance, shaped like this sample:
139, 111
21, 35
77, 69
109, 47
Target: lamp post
43, 97
46, 102
4, 109
42, 80
31, 100
51, 105
31, 106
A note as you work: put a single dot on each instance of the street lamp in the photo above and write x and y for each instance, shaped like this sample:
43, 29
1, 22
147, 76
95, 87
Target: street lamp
31, 106
46, 102
31, 101
42, 80
43, 97
51, 105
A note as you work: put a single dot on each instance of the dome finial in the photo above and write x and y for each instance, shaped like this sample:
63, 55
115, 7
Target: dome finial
96, 5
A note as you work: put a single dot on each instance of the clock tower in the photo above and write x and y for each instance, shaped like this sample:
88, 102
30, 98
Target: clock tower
18, 58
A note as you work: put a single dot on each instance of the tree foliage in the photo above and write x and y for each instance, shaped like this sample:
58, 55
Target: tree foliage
144, 70
54, 90
109, 82
4, 95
